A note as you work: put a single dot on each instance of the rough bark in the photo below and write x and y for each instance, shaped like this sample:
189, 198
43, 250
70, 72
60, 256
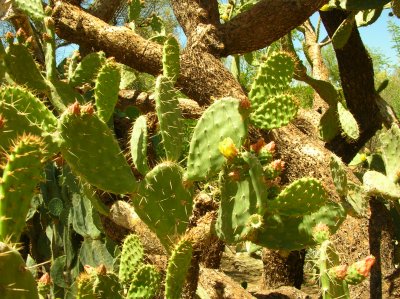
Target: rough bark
357, 77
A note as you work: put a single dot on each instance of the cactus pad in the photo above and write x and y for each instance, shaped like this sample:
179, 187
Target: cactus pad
301, 197
106, 90
131, 259
138, 145
21, 175
376, 183
170, 59
164, 203
19, 282
390, 146
339, 175
348, 123
145, 284
178, 266
170, 117
90, 148
86, 70
277, 111
221, 120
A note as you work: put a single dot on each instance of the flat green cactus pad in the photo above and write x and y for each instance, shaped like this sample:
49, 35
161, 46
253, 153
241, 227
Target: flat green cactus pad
164, 203
93, 153
221, 120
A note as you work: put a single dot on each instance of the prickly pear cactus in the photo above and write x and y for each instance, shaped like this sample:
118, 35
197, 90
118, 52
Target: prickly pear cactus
170, 117
224, 118
145, 283
170, 59
348, 123
106, 89
21, 175
178, 266
93, 153
19, 282
131, 258
86, 70
164, 202
138, 144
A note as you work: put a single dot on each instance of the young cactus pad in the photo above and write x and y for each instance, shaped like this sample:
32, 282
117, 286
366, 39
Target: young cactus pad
178, 266
138, 144
390, 145
21, 175
170, 117
348, 123
273, 77
93, 153
145, 283
170, 59
277, 111
224, 118
131, 258
164, 203
301, 197
16, 280
86, 70
106, 90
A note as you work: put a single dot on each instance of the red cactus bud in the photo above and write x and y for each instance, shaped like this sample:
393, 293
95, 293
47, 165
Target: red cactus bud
234, 175
46, 37
321, 232
75, 108
256, 147
102, 270
21, 33
338, 272
49, 22
228, 148
245, 104
45, 279
9, 37
87, 109
2, 121
88, 269
271, 147
278, 165
358, 271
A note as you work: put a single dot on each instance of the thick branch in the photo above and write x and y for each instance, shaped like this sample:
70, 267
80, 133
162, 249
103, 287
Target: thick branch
264, 23
191, 13
75, 25
357, 76
202, 75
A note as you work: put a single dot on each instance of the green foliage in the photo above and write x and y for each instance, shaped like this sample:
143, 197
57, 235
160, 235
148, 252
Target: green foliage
19, 282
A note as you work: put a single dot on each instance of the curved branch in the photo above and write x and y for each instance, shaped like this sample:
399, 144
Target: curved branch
77, 26
264, 23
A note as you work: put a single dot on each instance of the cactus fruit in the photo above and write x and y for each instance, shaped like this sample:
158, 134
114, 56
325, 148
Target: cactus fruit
131, 258
178, 266
170, 59
358, 271
138, 144
17, 281
221, 120
106, 89
85, 140
21, 175
164, 202
145, 283
44, 286
170, 117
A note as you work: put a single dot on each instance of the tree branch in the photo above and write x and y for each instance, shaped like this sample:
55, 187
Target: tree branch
77, 26
357, 76
191, 13
264, 23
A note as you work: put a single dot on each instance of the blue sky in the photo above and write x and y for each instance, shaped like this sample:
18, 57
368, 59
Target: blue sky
377, 36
